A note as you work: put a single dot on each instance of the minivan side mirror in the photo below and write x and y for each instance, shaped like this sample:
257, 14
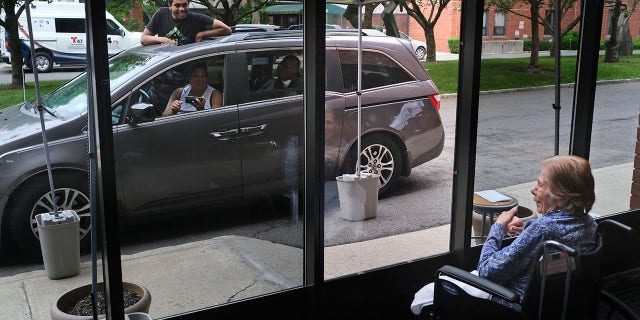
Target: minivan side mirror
141, 112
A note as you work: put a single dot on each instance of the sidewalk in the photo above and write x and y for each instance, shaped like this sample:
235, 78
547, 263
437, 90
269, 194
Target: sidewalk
231, 268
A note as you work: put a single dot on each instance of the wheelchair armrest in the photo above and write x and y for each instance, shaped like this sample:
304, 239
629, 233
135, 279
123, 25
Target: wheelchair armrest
478, 282
619, 306
614, 224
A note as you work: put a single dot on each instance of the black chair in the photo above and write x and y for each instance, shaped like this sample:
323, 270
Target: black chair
555, 291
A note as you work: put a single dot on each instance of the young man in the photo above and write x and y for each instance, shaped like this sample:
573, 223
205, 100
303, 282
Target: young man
176, 25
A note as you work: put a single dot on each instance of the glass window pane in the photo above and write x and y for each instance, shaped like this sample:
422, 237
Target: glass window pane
500, 21
407, 140
220, 176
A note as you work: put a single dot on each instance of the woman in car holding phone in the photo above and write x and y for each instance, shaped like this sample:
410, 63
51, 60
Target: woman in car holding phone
195, 96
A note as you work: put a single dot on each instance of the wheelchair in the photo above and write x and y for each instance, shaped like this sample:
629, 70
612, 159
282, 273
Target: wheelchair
562, 285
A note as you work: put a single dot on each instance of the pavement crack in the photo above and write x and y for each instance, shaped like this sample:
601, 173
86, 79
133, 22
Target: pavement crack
241, 291
26, 297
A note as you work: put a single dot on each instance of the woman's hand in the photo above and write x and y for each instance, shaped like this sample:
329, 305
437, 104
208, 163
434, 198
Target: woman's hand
175, 106
199, 103
509, 220
515, 227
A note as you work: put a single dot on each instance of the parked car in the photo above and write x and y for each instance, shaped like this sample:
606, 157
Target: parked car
249, 148
60, 38
419, 47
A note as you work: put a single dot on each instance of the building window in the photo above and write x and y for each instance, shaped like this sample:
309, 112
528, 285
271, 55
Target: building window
549, 23
500, 22
485, 26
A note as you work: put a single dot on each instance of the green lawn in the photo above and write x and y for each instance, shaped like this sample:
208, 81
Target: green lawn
13, 97
495, 74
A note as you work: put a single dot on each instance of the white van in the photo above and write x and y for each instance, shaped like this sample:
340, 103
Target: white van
60, 37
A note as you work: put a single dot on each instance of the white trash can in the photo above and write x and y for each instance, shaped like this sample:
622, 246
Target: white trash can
358, 196
137, 316
60, 243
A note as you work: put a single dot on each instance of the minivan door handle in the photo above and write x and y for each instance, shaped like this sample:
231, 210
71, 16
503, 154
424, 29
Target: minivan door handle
253, 130
224, 135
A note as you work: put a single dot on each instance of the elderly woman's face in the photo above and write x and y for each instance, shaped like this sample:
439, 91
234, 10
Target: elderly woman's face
542, 195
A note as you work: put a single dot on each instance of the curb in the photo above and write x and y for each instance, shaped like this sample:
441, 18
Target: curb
564, 85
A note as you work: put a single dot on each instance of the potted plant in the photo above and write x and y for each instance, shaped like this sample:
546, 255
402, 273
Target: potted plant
76, 303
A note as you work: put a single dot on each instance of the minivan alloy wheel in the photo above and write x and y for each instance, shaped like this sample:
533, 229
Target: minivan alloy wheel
34, 197
380, 155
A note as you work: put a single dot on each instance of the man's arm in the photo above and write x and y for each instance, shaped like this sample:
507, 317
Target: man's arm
219, 29
149, 38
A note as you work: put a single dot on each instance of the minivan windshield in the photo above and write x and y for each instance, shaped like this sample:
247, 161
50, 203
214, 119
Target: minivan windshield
70, 100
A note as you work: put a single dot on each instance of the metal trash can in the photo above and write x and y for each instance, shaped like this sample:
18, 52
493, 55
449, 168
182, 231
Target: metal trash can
60, 243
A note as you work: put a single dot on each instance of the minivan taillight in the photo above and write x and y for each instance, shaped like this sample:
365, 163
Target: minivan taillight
435, 101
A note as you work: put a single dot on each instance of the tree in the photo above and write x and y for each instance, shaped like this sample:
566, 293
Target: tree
620, 38
351, 14
12, 10
536, 20
389, 19
416, 9
232, 12
611, 52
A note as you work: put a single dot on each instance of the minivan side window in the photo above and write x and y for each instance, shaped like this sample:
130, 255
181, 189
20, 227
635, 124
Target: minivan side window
377, 70
274, 74
70, 25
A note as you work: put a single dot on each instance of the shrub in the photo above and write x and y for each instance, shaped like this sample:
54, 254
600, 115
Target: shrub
570, 40
545, 45
636, 44
454, 45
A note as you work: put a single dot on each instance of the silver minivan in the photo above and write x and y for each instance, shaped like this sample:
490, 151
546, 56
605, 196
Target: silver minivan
248, 148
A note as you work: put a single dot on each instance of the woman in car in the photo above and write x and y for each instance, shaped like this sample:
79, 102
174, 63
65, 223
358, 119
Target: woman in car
197, 95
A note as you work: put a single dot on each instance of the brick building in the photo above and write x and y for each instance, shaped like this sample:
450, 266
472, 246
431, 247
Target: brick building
498, 25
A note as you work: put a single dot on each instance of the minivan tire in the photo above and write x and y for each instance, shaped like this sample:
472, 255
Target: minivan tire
44, 62
380, 155
27, 202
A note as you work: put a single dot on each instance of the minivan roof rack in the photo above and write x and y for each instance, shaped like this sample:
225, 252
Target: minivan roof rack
261, 35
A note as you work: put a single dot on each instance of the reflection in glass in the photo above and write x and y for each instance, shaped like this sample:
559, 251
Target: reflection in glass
404, 129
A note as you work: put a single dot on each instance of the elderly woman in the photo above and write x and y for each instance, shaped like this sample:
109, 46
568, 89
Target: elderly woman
564, 194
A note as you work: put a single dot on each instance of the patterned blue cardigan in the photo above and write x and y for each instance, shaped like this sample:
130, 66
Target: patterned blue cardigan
510, 266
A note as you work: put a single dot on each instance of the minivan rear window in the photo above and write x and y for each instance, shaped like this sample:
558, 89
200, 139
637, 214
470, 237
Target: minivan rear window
377, 70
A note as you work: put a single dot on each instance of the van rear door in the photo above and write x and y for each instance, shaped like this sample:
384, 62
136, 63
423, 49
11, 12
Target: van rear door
71, 36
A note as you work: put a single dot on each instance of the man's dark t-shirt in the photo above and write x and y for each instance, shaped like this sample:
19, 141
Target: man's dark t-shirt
184, 31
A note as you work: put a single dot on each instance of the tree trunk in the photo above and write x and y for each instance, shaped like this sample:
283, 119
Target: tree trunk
431, 43
625, 43
14, 47
535, 39
611, 49
367, 18
351, 14
389, 19
255, 16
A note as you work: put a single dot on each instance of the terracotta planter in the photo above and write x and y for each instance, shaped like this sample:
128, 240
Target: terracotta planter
73, 296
